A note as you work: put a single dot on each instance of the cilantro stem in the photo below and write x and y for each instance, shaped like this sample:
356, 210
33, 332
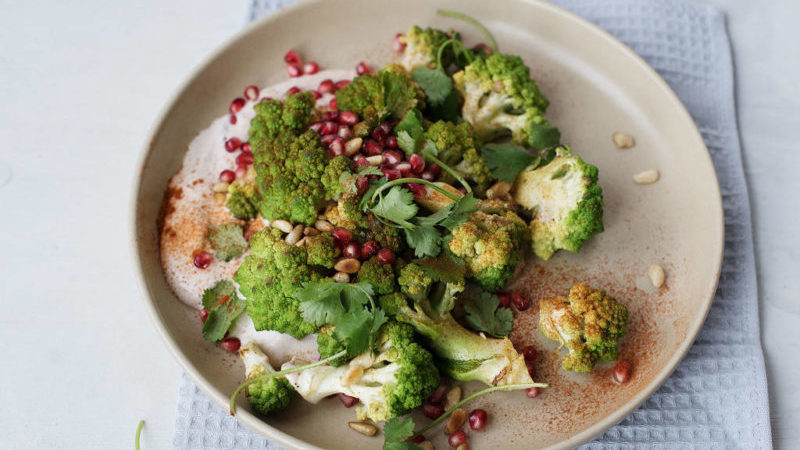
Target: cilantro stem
267, 376
508, 387
449, 170
457, 15
398, 181
138, 434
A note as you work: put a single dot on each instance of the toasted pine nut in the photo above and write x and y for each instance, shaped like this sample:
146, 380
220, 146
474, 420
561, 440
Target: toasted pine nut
463, 446
352, 374
646, 177
323, 225
453, 397
498, 190
427, 445
375, 160
301, 242
622, 140
656, 275
341, 277
220, 187
622, 371
310, 231
294, 234
282, 225
348, 265
367, 429
455, 421
220, 198
352, 146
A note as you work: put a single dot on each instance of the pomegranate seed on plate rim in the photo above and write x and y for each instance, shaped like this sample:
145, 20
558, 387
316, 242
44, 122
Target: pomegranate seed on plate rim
232, 119
397, 44
227, 176
342, 83
362, 68
236, 105
478, 419
293, 90
247, 148
231, 344
310, 68
457, 438
327, 87
202, 260
233, 144
291, 57
251, 92
294, 70
532, 392
245, 159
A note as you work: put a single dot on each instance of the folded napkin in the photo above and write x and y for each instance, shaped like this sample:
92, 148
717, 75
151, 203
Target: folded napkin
717, 397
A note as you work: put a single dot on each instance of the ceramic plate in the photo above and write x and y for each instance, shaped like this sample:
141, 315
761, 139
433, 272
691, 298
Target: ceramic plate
596, 86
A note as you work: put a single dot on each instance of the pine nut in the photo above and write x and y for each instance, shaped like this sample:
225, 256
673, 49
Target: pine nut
375, 160
348, 265
622, 140
341, 277
427, 445
463, 446
294, 234
220, 198
282, 225
352, 146
646, 177
656, 275
455, 421
367, 429
498, 190
310, 231
453, 397
220, 187
323, 225
301, 242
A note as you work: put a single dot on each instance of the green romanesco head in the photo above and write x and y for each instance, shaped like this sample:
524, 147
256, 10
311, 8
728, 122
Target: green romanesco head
565, 201
500, 98
332, 176
321, 250
267, 396
242, 198
392, 303
588, 322
414, 282
491, 246
422, 46
364, 225
457, 147
379, 275
328, 345
389, 93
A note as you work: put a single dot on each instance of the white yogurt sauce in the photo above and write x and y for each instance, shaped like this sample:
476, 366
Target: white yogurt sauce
191, 209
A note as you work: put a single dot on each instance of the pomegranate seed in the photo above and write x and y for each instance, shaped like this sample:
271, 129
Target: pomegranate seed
370, 247
203, 315
520, 301
371, 147
427, 175
336, 147
362, 68
417, 189
404, 168
504, 298
327, 87
352, 250
328, 127
391, 174
291, 57
241, 171
247, 148
245, 159
251, 92
202, 260
342, 235
333, 105
485, 48
233, 144
347, 401
358, 157
293, 90
463, 190
391, 142
317, 127
310, 68
327, 139
622, 371
417, 440
342, 83
345, 132
316, 95
417, 163
227, 176
532, 392
457, 438
432, 411
379, 134
236, 105
360, 162
435, 169
361, 187
438, 394
397, 44
529, 353
531, 368
386, 256
232, 119
393, 157
478, 419
331, 116
348, 118
231, 344
294, 70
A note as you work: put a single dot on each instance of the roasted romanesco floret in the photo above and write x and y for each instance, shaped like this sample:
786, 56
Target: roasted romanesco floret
389, 93
242, 198
364, 225
328, 345
588, 322
565, 201
500, 98
491, 245
379, 275
321, 250
457, 147
422, 46
267, 396
332, 176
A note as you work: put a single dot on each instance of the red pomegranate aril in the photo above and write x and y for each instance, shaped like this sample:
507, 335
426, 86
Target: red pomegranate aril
457, 438
485, 48
360, 162
386, 256
393, 157
370, 247
362, 68
227, 176
404, 168
438, 394
236, 105
327, 87
520, 301
294, 70
478, 419
348, 118
342, 235
317, 127
417, 440
203, 315
532, 392
310, 68
358, 157
435, 169
361, 186
417, 163
241, 171
202, 260
293, 90
316, 95
347, 400
342, 83
379, 134
352, 250
251, 92
397, 44
391, 174
336, 146
504, 298
531, 369
529, 353
417, 189
233, 144
463, 190
432, 411
427, 176
327, 139
329, 127
391, 142
247, 148
245, 159
291, 57
331, 115
622, 371
231, 344
232, 119
371, 147
345, 132
333, 105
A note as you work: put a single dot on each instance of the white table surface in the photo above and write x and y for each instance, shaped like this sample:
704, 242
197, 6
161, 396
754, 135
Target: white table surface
80, 84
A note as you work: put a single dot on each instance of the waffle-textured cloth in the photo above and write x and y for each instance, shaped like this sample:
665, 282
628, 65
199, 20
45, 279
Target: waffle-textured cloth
717, 397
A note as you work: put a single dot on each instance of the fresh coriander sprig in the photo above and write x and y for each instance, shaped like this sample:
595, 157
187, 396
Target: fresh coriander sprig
430, 156
487, 36
400, 181
138, 434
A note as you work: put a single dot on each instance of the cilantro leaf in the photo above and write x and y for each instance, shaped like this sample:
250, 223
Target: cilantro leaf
411, 123
223, 306
373, 186
543, 136
369, 170
445, 267
406, 142
326, 302
484, 314
354, 330
429, 147
227, 240
436, 84
425, 240
460, 211
448, 110
348, 179
397, 206
395, 433
506, 161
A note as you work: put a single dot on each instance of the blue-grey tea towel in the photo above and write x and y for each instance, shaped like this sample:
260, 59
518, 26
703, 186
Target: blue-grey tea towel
717, 397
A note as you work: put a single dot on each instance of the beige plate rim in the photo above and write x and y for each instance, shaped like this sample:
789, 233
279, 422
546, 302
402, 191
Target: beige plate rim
261, 427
